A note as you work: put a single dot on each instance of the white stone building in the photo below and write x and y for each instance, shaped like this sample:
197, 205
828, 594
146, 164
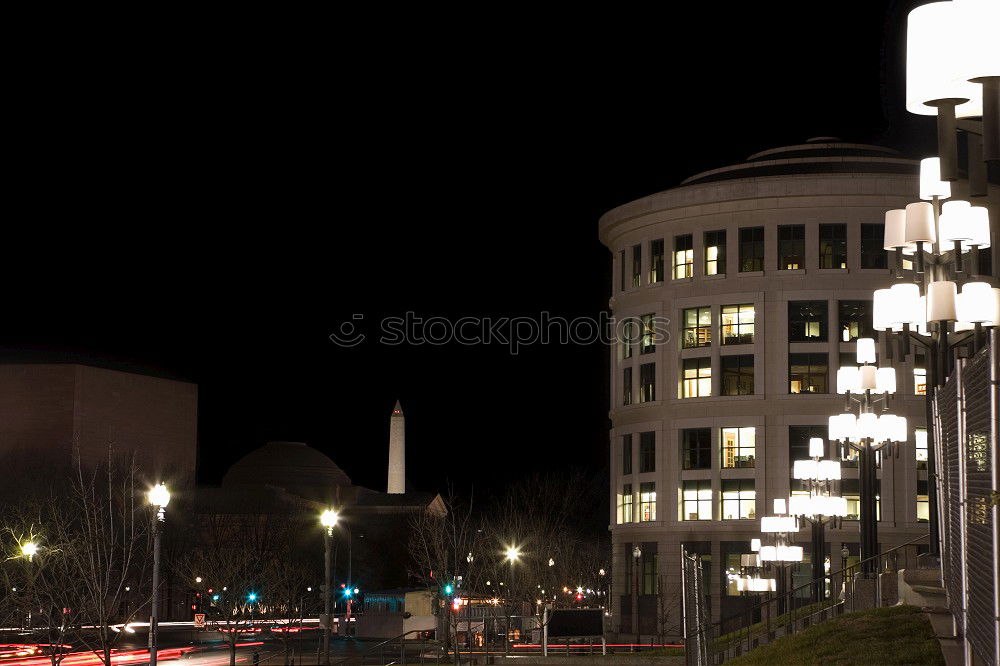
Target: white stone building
765, 272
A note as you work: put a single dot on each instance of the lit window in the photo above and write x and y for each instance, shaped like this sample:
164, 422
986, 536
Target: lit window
737, 375
739, 499
636, 265
656, 261
696, 448
791, 247
647, 452
648, 335
920, 447
807, 373
715, 253
919, 375
628, 337
751, 249
627, 454
625, 504
627, 386
683, 257
647, 501
833, 246
647, 382
923, 505
696, 500
697, 381
850, 490
807, 321
738, 446
737, 324
855, 320
697, 328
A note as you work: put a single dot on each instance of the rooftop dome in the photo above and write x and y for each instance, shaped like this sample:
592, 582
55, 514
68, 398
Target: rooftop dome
293, 466
818, 155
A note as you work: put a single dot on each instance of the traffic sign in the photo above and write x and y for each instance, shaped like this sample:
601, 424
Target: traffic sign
199, 620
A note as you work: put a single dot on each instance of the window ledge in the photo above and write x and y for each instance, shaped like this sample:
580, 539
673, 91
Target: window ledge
791, 271
751, 273
833, 271
874, 271
717, 276
682, 280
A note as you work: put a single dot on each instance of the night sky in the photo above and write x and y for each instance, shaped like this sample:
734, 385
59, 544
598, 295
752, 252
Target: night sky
217, 217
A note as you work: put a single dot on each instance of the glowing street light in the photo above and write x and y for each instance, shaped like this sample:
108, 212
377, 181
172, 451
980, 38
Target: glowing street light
159, 497
513, 553
327, 519
29, 549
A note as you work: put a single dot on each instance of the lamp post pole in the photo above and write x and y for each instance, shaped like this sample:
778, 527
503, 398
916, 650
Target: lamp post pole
636, 555
159, 497
327, 519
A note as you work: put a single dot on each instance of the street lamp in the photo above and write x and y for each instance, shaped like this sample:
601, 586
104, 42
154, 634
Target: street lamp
820, 506
636, 555
158, 496
29, 549
327, 519
868, 432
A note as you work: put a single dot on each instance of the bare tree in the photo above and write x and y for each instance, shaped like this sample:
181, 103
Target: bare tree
445, 553
244, 559
105, 541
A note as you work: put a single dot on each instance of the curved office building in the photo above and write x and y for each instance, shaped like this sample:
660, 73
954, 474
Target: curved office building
743, 290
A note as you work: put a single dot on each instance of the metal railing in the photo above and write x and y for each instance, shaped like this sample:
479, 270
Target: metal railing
399, 650
763, 622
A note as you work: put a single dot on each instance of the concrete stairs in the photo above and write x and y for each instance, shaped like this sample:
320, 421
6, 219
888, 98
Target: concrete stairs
922, 588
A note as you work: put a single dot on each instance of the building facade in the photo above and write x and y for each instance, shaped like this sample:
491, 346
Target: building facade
738, 295
50, 410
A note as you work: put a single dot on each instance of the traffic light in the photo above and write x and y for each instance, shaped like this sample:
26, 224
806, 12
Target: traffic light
448, 589
197, 602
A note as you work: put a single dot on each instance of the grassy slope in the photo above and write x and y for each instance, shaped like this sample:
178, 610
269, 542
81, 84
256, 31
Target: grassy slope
885, 636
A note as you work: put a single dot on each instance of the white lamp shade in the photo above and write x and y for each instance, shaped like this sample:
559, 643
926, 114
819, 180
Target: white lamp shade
817, 447
978, 55
842, 427
941, 301
848, 380
885, 428
895, 229
919, 222
955, 223
904, 304
866, 350
975, 303
867, 426
882, 310
829, 470
779, 506
885, 380
934, 57
931, 184
803, 470
749, 560
899, 432
867, 375
755, 545
774, 524
757, 585
979, 223
996, 308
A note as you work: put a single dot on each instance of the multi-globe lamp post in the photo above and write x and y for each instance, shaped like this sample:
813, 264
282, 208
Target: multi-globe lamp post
952, 72
328, 519
819, 507
781, 552
867, 389
158, 496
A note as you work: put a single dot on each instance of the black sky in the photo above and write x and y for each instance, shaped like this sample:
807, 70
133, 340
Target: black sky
214, 216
